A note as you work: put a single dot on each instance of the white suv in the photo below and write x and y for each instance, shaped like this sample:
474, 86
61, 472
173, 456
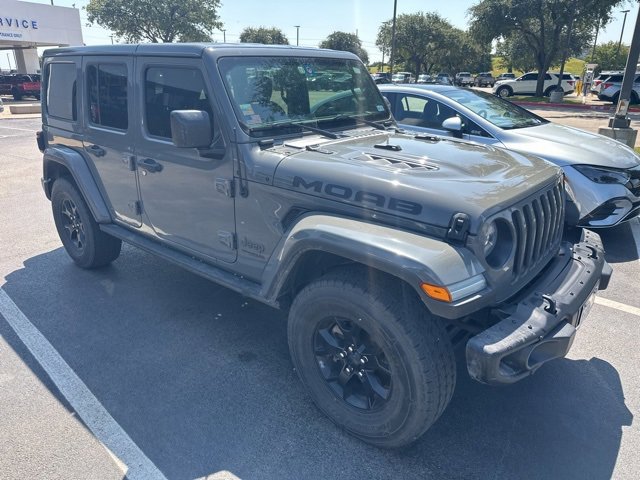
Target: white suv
526, 84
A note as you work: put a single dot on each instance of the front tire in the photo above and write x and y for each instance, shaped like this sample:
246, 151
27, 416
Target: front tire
86, 244
372, 357
504, 92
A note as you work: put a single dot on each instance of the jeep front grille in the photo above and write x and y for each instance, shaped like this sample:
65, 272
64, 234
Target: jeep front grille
538, 228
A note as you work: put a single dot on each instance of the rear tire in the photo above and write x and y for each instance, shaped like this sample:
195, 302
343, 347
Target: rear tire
86, 244
504, 92
408, 374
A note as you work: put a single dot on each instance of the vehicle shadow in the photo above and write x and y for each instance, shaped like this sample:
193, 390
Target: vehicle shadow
619, 243
200, 379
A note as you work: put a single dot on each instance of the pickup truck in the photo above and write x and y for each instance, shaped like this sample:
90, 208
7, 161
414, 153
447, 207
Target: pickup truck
19, 85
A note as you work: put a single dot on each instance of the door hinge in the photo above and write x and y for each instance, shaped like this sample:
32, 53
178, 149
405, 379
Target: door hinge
225, 187
129, 161
136, 207
228, 239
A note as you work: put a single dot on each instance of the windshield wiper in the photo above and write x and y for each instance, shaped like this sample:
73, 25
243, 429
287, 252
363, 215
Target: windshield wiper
342, 116
302, 126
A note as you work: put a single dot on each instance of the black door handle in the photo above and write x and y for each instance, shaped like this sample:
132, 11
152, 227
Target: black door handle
150, 165
97, 150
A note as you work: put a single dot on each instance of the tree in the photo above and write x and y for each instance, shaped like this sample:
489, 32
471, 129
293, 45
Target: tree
157, 21
347, 42
606, 58
543, 25
419, 39
426, 42
269, 36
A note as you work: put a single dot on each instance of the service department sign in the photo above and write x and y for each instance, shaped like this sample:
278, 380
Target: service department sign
39, 24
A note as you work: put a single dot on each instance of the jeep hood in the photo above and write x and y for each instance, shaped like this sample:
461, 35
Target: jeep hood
564, 145
422, 180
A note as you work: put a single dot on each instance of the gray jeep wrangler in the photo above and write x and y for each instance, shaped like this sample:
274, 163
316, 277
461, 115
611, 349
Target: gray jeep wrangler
279, 173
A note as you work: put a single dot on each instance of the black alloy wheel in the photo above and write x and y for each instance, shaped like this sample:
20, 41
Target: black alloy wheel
352, 363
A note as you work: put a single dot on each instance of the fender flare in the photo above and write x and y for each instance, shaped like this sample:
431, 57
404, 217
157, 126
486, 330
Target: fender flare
76, 165
409, 256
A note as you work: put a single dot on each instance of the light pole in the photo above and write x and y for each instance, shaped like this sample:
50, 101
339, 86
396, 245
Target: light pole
393, 37
111, 37
297, 35
621, 32
224, 35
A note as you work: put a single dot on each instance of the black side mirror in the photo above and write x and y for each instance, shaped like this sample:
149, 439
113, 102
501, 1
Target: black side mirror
191, 129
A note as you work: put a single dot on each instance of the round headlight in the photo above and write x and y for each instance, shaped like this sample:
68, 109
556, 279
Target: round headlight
496, 242
488, 238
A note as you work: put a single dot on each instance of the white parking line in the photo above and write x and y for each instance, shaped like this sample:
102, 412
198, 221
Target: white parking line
86, 405
618, 306
3, 127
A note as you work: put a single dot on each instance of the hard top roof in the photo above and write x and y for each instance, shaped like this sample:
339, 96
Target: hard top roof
197, 50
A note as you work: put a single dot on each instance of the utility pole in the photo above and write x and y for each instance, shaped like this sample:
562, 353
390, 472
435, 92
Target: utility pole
111, 37
619, 124
297, 35
393, 36
224, 35
624, 20
595, 41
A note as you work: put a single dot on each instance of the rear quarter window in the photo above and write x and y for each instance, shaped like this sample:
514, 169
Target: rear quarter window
61, 91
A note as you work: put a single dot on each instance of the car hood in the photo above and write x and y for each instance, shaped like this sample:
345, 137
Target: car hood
421, 180
564, 145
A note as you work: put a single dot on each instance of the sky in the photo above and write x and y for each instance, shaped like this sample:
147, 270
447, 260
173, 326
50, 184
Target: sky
319, 18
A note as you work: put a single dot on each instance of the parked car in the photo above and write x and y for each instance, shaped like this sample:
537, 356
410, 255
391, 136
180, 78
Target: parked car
425, 78
505, 76
403, 77
218, 158
597, 82
611, 86
19, 85
443, 79
603, 175
526, 84
484, 79
381, 77
1, 106
464, 79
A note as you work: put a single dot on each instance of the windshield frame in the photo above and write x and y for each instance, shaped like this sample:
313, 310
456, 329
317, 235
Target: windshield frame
360, 89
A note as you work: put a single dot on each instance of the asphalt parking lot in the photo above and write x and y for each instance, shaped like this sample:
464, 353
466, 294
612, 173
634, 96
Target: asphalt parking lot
144, 370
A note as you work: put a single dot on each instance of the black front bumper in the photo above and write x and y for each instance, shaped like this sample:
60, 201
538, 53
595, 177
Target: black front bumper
540, 324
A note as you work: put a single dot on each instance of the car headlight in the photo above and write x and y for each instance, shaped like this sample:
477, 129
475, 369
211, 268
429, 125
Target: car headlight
488, 238
496, 241
604, 175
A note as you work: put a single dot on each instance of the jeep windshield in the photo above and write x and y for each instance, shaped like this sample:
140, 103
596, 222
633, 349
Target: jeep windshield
274, 95
501, 113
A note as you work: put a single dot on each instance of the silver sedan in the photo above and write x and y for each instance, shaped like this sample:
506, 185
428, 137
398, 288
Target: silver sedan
602, 175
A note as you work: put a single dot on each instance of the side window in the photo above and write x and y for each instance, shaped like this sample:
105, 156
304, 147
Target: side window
61, 91
423, 112
547, 77
530, 76
107, 95
172, 88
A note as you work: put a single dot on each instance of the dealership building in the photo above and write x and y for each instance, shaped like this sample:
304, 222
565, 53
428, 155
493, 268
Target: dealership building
25, 26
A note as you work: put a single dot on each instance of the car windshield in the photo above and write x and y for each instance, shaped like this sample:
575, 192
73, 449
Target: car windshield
269, 93
499, 112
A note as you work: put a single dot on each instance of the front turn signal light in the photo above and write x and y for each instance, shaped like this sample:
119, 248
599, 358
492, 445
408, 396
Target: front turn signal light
436, 292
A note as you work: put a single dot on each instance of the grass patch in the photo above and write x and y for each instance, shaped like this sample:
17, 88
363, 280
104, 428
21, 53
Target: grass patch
572, 65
